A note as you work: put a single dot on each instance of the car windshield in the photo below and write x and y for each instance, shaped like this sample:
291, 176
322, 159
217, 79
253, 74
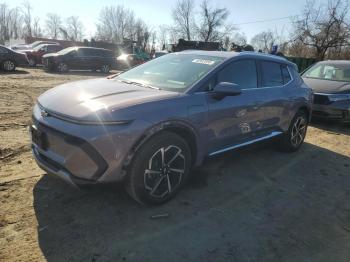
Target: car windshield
175, 72
331, 72
66, 50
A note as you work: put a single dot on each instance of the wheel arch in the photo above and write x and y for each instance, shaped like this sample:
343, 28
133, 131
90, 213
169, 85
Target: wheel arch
306, 110
180, 128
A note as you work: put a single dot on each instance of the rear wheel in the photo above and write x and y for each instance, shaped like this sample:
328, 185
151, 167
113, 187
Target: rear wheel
31, 62
293, 139
8, 65
159, 169
105, 69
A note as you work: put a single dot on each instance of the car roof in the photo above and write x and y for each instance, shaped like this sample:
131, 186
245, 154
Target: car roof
90, 47
335, 62
231, 54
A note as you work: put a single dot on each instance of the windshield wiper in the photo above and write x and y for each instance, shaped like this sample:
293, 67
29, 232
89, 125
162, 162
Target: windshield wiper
138, 84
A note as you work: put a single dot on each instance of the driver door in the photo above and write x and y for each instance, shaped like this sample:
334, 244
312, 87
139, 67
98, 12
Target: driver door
236, 119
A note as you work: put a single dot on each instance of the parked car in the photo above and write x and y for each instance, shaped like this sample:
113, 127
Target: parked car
151, 124
35, 55
330, 81
126, 61
10, 59
83, 58
23, 47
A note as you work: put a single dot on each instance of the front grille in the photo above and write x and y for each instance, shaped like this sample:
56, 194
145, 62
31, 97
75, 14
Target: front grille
321, 99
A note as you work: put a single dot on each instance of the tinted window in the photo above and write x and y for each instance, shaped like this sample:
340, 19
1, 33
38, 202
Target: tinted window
51, 48
285, 74
241, 72
86, 52
271, 74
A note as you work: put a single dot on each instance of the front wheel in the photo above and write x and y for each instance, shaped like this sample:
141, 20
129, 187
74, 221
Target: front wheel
292, 140
159, 169
62, 67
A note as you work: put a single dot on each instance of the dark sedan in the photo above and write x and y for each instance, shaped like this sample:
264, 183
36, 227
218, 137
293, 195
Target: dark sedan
81, 58
330, 81
10, 59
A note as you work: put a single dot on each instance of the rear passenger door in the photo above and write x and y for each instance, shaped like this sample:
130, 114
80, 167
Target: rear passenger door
276, 81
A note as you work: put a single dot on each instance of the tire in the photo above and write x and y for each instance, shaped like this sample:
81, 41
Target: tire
292, 140
62, 67
8, 65
149, 180
32, 62
105, 69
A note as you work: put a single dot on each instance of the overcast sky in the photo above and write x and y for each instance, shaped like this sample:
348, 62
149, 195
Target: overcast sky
156, 12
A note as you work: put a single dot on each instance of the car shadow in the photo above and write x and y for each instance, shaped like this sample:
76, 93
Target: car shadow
331, 126
222, 198
15, 72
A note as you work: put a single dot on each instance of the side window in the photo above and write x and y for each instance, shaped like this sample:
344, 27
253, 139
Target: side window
271, 74
51, 48
86, 52
285, 74
81, 52
241, 72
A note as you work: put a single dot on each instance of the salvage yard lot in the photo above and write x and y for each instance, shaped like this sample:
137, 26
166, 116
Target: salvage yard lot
253, 204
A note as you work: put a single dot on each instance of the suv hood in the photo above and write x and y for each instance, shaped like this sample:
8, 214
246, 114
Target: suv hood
98, 99
327, 86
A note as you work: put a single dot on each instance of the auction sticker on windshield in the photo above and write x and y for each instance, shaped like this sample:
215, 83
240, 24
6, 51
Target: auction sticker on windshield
203, 61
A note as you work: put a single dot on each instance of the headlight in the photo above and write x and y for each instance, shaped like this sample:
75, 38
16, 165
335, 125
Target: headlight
339, 97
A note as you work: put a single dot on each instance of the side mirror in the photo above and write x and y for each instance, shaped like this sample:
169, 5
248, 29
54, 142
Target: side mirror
223, 89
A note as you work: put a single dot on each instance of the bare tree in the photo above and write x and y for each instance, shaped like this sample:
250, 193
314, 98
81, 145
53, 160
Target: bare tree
15, 23
213, 26
183, 14
4, 27
323, 27
27, 17
36, 28
53, 24
263, 41
239, 39
114, 23
174, 35
74, 28
163, 35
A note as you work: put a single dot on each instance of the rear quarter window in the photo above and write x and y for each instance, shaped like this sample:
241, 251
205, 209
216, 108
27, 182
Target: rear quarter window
271, 74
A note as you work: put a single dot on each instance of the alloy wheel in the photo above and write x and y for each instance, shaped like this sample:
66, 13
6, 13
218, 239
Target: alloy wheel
298, 131
9, 66
105, 68
62, 67
165, 171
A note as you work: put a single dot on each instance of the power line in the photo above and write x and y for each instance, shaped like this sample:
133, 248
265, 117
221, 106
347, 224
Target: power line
266, 20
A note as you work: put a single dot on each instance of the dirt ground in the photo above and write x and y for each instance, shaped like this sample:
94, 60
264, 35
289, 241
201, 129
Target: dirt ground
253, 204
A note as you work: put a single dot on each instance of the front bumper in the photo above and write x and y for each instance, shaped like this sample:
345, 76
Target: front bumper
335, 111
81, 154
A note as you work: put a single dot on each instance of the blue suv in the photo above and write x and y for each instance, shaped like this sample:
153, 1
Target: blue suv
150, 125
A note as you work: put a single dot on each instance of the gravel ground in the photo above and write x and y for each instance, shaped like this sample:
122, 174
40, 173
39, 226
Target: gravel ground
253, 204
